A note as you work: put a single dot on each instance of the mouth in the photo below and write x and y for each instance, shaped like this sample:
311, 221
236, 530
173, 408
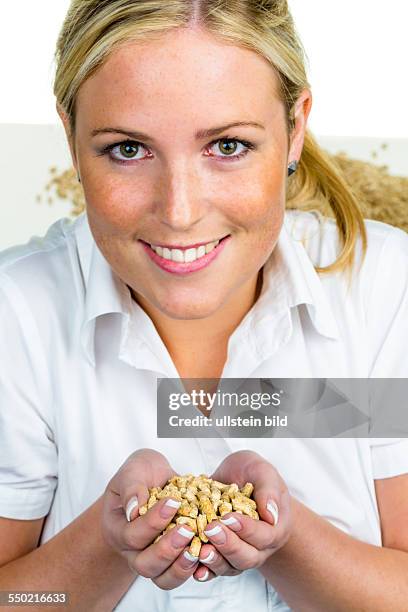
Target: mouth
187, 259
185, 254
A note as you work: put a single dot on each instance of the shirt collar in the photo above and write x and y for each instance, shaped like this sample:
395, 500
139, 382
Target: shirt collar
105, 293
289, 279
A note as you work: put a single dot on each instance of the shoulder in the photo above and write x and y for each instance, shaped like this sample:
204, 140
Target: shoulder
39, 251
374, 310
38, 279
319, 236
377, 298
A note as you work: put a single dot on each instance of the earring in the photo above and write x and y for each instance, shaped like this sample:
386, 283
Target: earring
79, 178
292, 167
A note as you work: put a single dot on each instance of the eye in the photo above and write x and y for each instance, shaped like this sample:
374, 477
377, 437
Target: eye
228, 147
128, 150
125, 150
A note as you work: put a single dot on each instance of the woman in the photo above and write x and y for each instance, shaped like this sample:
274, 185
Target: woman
184, 121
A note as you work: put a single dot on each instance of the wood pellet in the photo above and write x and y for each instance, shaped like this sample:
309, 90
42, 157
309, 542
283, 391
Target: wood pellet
202, 500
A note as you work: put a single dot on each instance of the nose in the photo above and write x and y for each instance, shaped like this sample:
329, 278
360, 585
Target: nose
180, 204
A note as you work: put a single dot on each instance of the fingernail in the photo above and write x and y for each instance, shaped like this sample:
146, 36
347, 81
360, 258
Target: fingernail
217, 534
274, 510
168, 508
180, 535
204, 576
186, 533
190, 557
232, 523
209, 558
131, 505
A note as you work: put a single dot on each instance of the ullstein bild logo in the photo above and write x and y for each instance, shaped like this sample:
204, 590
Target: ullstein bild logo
282, 407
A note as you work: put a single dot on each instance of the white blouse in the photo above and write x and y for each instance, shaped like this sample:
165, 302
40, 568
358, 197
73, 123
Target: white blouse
79, 362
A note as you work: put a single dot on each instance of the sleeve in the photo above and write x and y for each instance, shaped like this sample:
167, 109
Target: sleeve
28, 455
387, 321
389, 457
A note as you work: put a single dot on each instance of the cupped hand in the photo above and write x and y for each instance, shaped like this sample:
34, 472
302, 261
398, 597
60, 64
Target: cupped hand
236, 541
132, 535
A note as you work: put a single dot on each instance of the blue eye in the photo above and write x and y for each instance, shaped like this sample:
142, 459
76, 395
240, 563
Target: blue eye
126, 151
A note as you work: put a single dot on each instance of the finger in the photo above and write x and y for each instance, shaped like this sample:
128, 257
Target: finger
237, 552
160, 556
268, 492
146, 464
273, 508
133, 491
203, 574
127, 503
259, 534
269, 504
238, 463
114, 518
133, 496
269, 486
141, 532
177, 573
210, 557
281, 513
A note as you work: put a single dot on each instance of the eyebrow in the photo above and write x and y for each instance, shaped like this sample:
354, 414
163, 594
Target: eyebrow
201, 134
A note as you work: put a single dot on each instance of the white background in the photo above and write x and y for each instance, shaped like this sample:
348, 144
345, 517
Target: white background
357, 51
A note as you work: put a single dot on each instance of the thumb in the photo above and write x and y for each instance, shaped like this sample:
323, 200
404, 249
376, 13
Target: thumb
268, 501
133, 495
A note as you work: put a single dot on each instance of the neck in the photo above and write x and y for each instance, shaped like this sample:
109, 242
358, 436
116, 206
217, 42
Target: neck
180, 334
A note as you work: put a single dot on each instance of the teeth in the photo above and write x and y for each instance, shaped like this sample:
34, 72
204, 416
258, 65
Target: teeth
191, 255
177, 255
187, 256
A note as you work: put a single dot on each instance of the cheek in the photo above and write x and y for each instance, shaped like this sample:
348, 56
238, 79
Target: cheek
116, 204
256, 202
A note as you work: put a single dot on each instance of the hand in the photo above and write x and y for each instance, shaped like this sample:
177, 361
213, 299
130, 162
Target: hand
242, 542
163, 561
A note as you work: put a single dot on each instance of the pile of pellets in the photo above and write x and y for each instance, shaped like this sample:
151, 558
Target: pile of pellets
65, 186
382, 196
202, 501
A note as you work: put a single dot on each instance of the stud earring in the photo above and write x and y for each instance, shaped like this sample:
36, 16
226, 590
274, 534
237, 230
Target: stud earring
292, 167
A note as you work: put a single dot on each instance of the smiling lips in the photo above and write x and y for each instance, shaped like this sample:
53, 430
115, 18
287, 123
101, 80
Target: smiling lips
187, 255
187, 259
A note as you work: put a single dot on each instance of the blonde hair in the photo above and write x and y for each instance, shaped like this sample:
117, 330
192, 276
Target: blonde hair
92, 29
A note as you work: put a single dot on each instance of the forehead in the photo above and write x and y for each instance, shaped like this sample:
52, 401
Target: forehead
186, 71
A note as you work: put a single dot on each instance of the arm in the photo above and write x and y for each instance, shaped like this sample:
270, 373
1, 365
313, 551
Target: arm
76, 560
97, 556
18, 537
312, 564
321, 568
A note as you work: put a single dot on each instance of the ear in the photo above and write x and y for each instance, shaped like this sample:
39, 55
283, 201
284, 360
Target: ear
70, 137
301, 113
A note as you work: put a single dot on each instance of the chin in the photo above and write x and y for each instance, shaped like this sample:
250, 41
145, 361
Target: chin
188, 310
